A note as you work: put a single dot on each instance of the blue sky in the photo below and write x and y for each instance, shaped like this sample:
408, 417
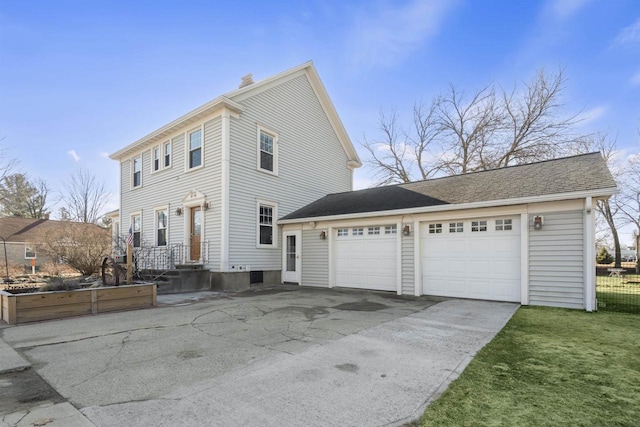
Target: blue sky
80, 79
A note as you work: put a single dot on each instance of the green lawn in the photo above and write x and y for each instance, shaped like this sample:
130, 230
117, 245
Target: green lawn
550, 367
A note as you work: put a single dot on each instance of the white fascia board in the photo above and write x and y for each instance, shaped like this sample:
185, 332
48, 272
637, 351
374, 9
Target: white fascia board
604, 192
329, 109
219, 103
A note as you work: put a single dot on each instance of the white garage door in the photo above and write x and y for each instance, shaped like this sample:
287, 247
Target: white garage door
477, 258
365, 257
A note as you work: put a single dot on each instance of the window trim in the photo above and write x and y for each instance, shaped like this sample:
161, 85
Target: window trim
132, 174
272, 133
187, 135
155, 225
133, 232
274, 228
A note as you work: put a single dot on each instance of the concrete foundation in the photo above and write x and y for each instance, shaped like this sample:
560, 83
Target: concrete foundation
197, 279
241, 280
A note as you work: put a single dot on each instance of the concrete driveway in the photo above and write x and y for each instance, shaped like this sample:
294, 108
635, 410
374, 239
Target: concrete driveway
285, 356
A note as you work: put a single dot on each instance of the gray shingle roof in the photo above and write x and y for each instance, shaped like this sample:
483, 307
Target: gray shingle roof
584, 172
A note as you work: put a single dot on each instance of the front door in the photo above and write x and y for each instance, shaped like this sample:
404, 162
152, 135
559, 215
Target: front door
291, 257
195, 233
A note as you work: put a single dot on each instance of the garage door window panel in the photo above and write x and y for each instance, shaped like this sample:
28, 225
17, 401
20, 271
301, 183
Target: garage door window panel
357, 231
504, 225
456, 227
373, 231
343, 232
435, 228
478, 226
391, 229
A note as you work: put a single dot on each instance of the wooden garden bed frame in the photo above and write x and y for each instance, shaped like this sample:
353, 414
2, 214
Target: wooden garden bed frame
32, 307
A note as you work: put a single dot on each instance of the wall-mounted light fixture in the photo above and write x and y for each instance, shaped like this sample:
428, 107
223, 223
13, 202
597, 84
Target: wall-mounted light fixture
323, 235
538, 221
205, 206
179, 211
406, 230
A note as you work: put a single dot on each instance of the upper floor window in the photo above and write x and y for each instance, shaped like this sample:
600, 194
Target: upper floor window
136, 229
137, 171
167, 154
156, 159
29, 252
266, 226
161, 227
195, 149
267, 151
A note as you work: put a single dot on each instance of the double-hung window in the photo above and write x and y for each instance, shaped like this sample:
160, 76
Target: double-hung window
156, 159
161, 227
266, 225
137, 172
195, 149
167, 154
267, 151
136, 228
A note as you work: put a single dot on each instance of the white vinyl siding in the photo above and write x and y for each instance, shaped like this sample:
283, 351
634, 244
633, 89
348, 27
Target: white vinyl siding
172, 185
408, 262
556, 260
315, 259
311, 164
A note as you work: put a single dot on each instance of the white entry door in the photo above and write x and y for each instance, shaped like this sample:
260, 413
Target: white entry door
477, 258
291, 256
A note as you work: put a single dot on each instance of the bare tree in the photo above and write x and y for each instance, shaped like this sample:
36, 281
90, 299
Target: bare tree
492, 128
20, 197
628, 201
84, 197
7, 163
80, 246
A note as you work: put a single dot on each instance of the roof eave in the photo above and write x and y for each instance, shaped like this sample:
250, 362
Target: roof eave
598, 193
181, 122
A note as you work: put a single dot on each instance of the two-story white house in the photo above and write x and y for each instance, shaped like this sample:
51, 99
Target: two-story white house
208, 188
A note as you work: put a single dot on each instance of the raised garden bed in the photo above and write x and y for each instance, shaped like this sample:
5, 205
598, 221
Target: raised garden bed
31, 307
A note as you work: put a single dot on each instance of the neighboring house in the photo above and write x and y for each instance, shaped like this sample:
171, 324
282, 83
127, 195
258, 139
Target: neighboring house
524, 234
208, 188
21, 237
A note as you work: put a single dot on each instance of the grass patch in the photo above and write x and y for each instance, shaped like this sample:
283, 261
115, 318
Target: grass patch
547, 367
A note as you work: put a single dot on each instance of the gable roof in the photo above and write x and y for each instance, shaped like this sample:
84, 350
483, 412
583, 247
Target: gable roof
233, 99
17, 229
557, 179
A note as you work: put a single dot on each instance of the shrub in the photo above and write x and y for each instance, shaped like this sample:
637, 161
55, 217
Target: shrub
79, 245
59, 284
603, 256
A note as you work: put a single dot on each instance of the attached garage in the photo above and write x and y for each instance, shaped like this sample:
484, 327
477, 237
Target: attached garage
365, 257
477, 258
519, 234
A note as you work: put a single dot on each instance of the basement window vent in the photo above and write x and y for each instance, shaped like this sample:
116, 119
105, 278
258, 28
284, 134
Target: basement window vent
256, 277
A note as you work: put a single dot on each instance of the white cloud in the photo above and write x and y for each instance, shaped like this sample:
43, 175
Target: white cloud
566, 8
104, 154
635, 79
386, 35
74, 155
590, 116
629, 35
